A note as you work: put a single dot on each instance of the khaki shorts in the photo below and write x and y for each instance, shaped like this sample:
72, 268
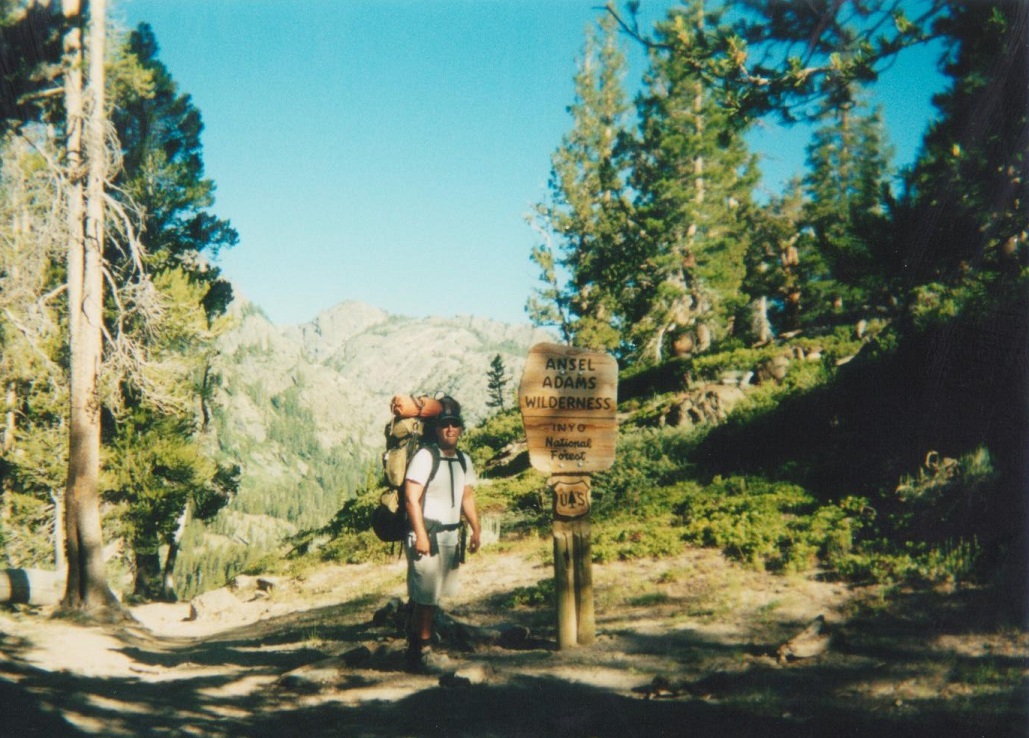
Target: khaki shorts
430, 577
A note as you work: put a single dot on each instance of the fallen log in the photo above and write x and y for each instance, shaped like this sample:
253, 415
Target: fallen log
31, 586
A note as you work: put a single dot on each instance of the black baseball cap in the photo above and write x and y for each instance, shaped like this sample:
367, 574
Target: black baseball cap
451, 412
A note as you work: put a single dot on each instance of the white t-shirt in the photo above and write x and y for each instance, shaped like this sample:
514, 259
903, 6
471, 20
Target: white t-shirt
442, 502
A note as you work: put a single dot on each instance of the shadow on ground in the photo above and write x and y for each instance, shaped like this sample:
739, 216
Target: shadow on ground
890, 672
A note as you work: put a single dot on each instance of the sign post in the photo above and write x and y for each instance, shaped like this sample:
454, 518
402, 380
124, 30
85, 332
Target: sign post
568, 399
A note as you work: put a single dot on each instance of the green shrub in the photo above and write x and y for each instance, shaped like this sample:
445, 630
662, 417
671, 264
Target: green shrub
539, 594
953, 561
711, 367
484, 441
522, 492
936, 302
645, 461
767, 525
628, 538
943, 499
523, 502
347, 537
358, 548
886, 561
356, 514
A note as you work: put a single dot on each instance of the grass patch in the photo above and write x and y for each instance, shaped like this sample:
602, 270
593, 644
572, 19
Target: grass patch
532, 596
649, 599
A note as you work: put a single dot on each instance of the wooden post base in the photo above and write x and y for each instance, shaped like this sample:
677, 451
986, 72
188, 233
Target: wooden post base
573, 568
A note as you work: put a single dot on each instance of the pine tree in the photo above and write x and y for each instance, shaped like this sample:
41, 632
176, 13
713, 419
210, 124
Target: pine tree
781, 262
848, 194
87, 587
693, 176
162, 178
964, 209
163, 172
156, 476
584, 258
496, 383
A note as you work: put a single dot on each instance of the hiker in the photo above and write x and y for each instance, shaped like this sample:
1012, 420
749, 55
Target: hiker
432, 544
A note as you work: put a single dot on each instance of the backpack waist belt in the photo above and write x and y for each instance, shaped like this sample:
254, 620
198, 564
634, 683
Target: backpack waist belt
435, 526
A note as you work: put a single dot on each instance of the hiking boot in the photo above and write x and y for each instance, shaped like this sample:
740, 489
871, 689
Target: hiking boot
413, 654
423, 661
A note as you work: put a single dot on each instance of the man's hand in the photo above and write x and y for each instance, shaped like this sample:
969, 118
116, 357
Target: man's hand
421, 544
473, 542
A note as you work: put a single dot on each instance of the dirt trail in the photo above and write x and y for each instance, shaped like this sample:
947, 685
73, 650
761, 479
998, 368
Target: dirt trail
686, 645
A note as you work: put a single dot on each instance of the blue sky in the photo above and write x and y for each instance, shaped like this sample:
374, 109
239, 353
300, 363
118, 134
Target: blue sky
387, 151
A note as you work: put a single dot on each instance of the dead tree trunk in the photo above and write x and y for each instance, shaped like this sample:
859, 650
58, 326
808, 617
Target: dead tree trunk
87, 580
31, 586
168, 579
6, 490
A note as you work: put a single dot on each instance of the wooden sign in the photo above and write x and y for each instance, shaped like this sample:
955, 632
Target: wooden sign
568, 398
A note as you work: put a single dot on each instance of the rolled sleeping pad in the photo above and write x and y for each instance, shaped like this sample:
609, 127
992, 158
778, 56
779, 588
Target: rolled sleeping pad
410, 406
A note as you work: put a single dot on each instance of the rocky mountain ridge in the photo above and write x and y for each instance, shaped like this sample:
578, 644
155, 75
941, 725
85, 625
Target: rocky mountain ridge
334, 376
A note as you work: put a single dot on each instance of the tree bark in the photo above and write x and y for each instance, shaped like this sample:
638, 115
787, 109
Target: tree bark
147, 582
60, 531
6, 490
168, 579
168, 593
87, 581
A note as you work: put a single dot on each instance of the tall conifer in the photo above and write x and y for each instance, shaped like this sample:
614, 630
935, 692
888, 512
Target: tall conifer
693, 177
967, 194
163, 177
496, 383
848, 193
159, 131
583, 259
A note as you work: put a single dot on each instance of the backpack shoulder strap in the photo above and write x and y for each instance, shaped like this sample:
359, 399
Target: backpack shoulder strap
434, 450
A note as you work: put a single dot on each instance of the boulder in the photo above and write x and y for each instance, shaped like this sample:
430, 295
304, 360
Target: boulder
710, 403
213, 604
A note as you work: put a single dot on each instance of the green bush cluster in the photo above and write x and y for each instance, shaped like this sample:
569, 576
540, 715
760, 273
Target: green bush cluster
347, 537
627, 538
24, 546
358, 548
711, 367
887, 561
486, 440
356, 514
927, 530
523, 501
540, 594
768, 525
938, 502
646, 461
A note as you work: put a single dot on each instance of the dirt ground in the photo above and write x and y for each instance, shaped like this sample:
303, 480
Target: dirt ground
686, 646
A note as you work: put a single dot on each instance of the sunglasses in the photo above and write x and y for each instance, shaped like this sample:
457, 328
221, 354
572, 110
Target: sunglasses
449, 424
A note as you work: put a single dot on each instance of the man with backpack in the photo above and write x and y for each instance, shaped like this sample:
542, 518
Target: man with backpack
435, 496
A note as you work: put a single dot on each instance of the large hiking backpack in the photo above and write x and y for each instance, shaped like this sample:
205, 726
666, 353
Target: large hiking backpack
409, 430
